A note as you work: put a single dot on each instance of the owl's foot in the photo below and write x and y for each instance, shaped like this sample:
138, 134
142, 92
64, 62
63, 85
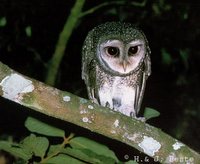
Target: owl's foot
143, 119
107, 104
95, 101
133, 115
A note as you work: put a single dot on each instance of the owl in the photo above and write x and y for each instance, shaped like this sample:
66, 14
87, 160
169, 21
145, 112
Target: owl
115, 66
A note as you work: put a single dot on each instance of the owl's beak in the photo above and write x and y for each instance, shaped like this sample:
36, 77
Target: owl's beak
124, 64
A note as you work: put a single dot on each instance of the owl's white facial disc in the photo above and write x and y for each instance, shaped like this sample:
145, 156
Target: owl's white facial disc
122, 57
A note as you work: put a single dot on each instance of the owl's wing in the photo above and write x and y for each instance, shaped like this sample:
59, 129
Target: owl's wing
90, 81
89, 67
140, 89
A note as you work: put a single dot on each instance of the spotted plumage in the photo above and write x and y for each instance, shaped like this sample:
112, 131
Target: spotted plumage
115, 66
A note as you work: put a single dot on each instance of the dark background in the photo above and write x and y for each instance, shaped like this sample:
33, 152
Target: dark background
172, 28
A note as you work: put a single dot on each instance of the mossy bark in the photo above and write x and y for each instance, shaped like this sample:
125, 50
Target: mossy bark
71, 108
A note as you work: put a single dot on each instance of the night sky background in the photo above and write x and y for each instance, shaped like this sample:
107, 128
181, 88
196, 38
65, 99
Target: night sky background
171, 27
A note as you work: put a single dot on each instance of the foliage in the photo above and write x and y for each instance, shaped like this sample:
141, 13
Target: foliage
2, 22
150, 113
37, 148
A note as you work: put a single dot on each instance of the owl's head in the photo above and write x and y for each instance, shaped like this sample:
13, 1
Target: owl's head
119, 48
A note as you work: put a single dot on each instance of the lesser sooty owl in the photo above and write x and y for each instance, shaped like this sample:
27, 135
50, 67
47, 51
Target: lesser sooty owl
116, 65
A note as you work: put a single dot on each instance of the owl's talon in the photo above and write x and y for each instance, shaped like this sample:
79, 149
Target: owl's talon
133, 115
143, 119
95, 101
107, 104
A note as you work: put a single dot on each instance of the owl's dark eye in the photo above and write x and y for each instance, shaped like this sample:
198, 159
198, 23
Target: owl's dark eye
113, 51
133, 50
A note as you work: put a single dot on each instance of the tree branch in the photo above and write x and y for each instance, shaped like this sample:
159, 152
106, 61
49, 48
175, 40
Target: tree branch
64, 36
93, 9
71, 108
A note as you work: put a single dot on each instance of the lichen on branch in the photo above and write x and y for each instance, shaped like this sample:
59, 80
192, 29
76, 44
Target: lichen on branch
81, 112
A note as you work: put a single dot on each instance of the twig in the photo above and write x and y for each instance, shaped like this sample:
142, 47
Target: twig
93, 9
62, 42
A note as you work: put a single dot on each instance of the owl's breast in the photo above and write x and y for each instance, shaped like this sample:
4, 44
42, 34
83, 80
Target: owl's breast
123, 95
117, 92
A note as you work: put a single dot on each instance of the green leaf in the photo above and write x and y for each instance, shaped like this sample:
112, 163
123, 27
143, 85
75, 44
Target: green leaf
112, 11
131, 162
63, 159
102, 158
184, 54
36, 145
90, 147
76, 153
39, 127
28, 31
166, 57
54, 148
15, 150
20, 161
150, 113
79, 154
3, 21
